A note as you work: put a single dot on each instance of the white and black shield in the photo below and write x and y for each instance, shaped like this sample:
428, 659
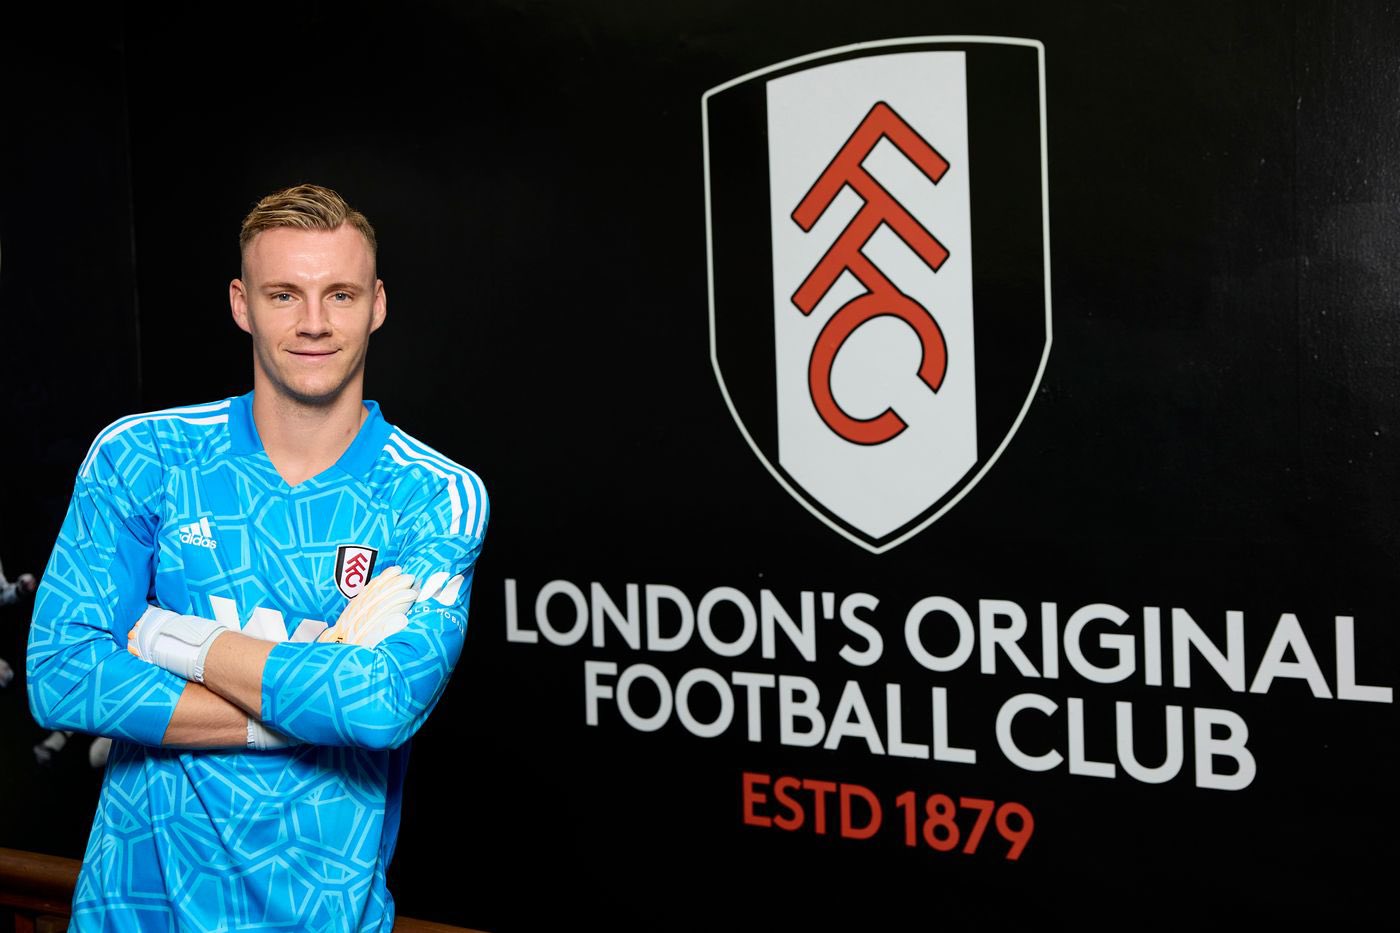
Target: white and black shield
354, 565
879, 270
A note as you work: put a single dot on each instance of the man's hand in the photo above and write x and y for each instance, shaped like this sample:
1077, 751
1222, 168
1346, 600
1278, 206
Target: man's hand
172, 641
377, 612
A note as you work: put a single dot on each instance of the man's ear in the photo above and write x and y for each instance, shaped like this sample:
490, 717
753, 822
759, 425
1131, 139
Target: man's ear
238, 304
381, 306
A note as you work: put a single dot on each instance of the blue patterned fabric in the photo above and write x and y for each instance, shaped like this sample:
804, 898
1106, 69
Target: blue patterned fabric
182, 508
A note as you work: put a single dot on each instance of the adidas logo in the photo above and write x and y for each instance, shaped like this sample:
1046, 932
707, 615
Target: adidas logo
198, 534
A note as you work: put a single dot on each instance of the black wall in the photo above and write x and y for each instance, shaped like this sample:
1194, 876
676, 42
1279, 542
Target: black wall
1215, 430
70, 353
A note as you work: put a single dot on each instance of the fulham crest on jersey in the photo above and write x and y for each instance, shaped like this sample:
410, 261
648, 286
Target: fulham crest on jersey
354, 565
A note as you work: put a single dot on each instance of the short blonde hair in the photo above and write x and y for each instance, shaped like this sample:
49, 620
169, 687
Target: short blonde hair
306, 207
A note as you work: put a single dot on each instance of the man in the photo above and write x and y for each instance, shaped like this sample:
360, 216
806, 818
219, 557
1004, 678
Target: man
256, 776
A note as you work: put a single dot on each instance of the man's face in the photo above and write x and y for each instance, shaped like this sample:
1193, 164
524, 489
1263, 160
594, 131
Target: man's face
310, 300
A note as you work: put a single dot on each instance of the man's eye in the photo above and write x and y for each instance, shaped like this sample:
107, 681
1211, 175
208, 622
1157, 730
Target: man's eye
341, 296
282, 296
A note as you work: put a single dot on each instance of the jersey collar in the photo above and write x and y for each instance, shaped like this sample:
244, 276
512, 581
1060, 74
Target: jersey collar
357, 460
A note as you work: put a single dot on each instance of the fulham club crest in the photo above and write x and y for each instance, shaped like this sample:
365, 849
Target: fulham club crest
354, 565
878, 225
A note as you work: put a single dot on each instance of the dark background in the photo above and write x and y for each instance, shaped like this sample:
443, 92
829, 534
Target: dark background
1215, 430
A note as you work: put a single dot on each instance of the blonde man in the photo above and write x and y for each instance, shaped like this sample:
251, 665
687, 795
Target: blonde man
256, 770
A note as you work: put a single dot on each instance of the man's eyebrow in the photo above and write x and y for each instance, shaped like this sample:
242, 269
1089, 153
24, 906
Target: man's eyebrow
293, 287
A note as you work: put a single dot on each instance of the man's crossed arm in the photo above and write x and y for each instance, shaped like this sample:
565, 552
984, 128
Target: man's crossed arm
104, 573
221, 706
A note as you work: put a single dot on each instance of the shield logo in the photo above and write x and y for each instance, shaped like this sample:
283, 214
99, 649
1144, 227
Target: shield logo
354, 565
878, 232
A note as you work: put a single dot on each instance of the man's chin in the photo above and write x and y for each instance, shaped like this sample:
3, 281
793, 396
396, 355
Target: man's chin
315, 401
314, 390
312, 396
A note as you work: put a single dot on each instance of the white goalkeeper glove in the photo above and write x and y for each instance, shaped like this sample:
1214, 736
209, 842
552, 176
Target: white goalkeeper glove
175, 642
378, 611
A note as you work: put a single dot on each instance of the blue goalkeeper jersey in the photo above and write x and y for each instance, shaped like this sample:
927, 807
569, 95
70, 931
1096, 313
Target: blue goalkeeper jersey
183, 509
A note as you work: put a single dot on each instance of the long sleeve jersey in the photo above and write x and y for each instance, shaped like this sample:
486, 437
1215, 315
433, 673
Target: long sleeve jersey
183, 509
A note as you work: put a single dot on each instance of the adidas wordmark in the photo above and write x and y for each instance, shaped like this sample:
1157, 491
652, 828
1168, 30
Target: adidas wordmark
198, 534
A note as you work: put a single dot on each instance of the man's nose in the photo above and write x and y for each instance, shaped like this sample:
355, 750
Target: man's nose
316, 321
